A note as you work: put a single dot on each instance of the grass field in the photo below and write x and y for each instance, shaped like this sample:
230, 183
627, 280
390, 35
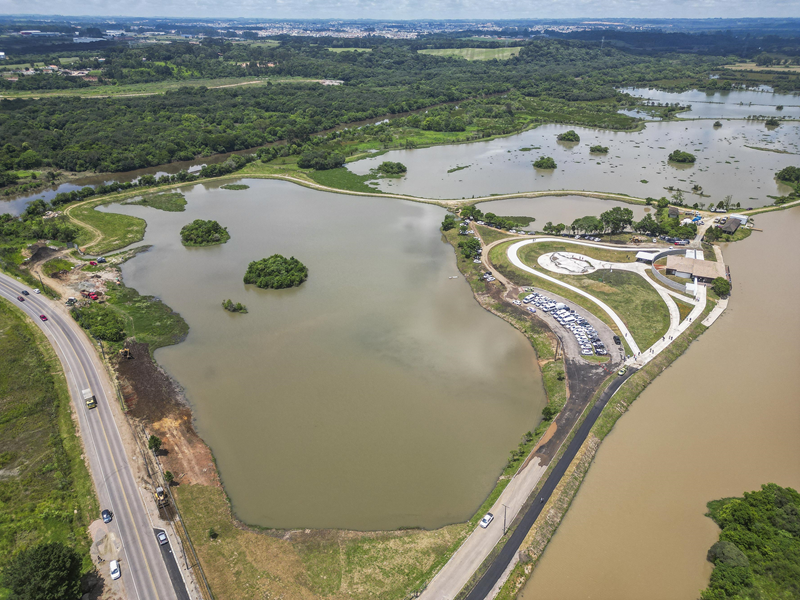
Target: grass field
531, 253
46, 493
156, 87
245, 564
489, 235
751, 66
55, 265
474, 53
170, 201
344, 179
117, 230
337, 50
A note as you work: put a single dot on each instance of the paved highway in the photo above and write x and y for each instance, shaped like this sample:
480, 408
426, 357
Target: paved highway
144, 573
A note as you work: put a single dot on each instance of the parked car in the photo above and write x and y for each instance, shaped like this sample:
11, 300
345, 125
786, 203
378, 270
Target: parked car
114, 568
36, 291
161, 536
488, 518
622, 371
106, 514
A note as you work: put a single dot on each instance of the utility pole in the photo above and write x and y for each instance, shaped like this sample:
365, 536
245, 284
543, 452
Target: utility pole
40, 280
504, 518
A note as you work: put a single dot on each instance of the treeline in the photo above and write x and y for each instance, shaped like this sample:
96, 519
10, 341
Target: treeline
758, 552
121, 134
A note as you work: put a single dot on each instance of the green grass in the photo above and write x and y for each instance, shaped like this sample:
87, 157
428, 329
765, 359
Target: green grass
474, 53
530, 254
684, 308
152, 88
11, 261
117, 230
344, 179
46, 494
489, 235
169, 201
147, 319
235, 186
55, 265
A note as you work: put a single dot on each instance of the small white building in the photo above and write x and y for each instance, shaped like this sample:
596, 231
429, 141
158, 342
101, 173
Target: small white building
3, 56
741, 218
646, 257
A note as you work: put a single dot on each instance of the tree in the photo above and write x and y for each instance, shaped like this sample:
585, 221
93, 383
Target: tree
392, 168
647, 225
721, 286
662, 202
598, 149
154, 443
617, 219
677, 198
449, 222
544, 162
44, 572
276, 272
726, 202
679, 156
169, 477
204, 233
569, 136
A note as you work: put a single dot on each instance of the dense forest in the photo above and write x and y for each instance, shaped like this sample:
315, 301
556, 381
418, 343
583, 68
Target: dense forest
758, 552
549, 78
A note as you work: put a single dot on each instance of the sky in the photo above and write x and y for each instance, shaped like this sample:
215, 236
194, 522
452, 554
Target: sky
411, 9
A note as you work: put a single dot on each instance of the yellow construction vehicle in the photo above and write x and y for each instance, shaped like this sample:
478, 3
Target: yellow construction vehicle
125, 353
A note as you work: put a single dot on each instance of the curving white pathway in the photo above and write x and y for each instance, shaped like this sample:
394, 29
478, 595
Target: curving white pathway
676, 327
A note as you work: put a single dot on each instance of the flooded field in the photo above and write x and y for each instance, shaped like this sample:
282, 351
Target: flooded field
722, 420
636, 163
737, 104
377, 395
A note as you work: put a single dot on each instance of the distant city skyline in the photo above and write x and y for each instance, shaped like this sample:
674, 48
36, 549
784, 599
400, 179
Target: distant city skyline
411, 9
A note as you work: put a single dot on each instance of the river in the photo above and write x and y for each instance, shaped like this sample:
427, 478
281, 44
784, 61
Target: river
722, 420
377, 395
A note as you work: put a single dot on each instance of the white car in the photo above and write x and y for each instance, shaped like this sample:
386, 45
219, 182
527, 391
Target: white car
115, 572
36, 291
488, 518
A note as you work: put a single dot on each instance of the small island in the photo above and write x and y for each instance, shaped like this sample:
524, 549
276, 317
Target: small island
569, 136
235, 186
168, 201
717, 124
544, 162
236, 307
204, 233
392, 169
679, 156
598, 149
276, 272
772, 122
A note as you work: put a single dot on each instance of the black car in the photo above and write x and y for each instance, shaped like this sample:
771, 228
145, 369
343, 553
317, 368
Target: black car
25, 293
617, 340
106, 514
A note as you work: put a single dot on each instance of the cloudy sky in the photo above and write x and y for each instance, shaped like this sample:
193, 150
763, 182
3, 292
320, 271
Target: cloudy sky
411, 9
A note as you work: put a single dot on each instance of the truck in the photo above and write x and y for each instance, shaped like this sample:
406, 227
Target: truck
88, 397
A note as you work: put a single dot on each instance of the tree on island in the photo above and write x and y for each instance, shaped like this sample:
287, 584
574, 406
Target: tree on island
790, 175
569, 136
717, 124
392, 168
276, 272
544, 162
230, 306
204, 233
44, 572
679, 156
772, 122
598, 149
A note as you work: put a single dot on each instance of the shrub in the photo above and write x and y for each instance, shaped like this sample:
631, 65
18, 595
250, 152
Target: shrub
569, 136
544, 162
276, 272
101, 321
721, 286
679, 156
392, 168
204, 233
598, 149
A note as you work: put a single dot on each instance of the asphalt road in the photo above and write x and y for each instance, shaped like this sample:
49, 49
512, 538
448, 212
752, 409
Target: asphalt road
172, 566
144, 572
501, 562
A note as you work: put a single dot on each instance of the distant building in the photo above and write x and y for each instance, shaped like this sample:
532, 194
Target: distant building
646, 257
741, 218
3, 56
87, 40
673, 212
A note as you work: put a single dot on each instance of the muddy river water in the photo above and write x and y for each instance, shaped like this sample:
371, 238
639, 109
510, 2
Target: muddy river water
377, 395
723, 419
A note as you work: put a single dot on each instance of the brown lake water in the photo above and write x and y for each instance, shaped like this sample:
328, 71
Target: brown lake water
723, 419
636, 163
377, 395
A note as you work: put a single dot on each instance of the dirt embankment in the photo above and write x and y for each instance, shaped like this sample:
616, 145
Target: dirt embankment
154, 399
